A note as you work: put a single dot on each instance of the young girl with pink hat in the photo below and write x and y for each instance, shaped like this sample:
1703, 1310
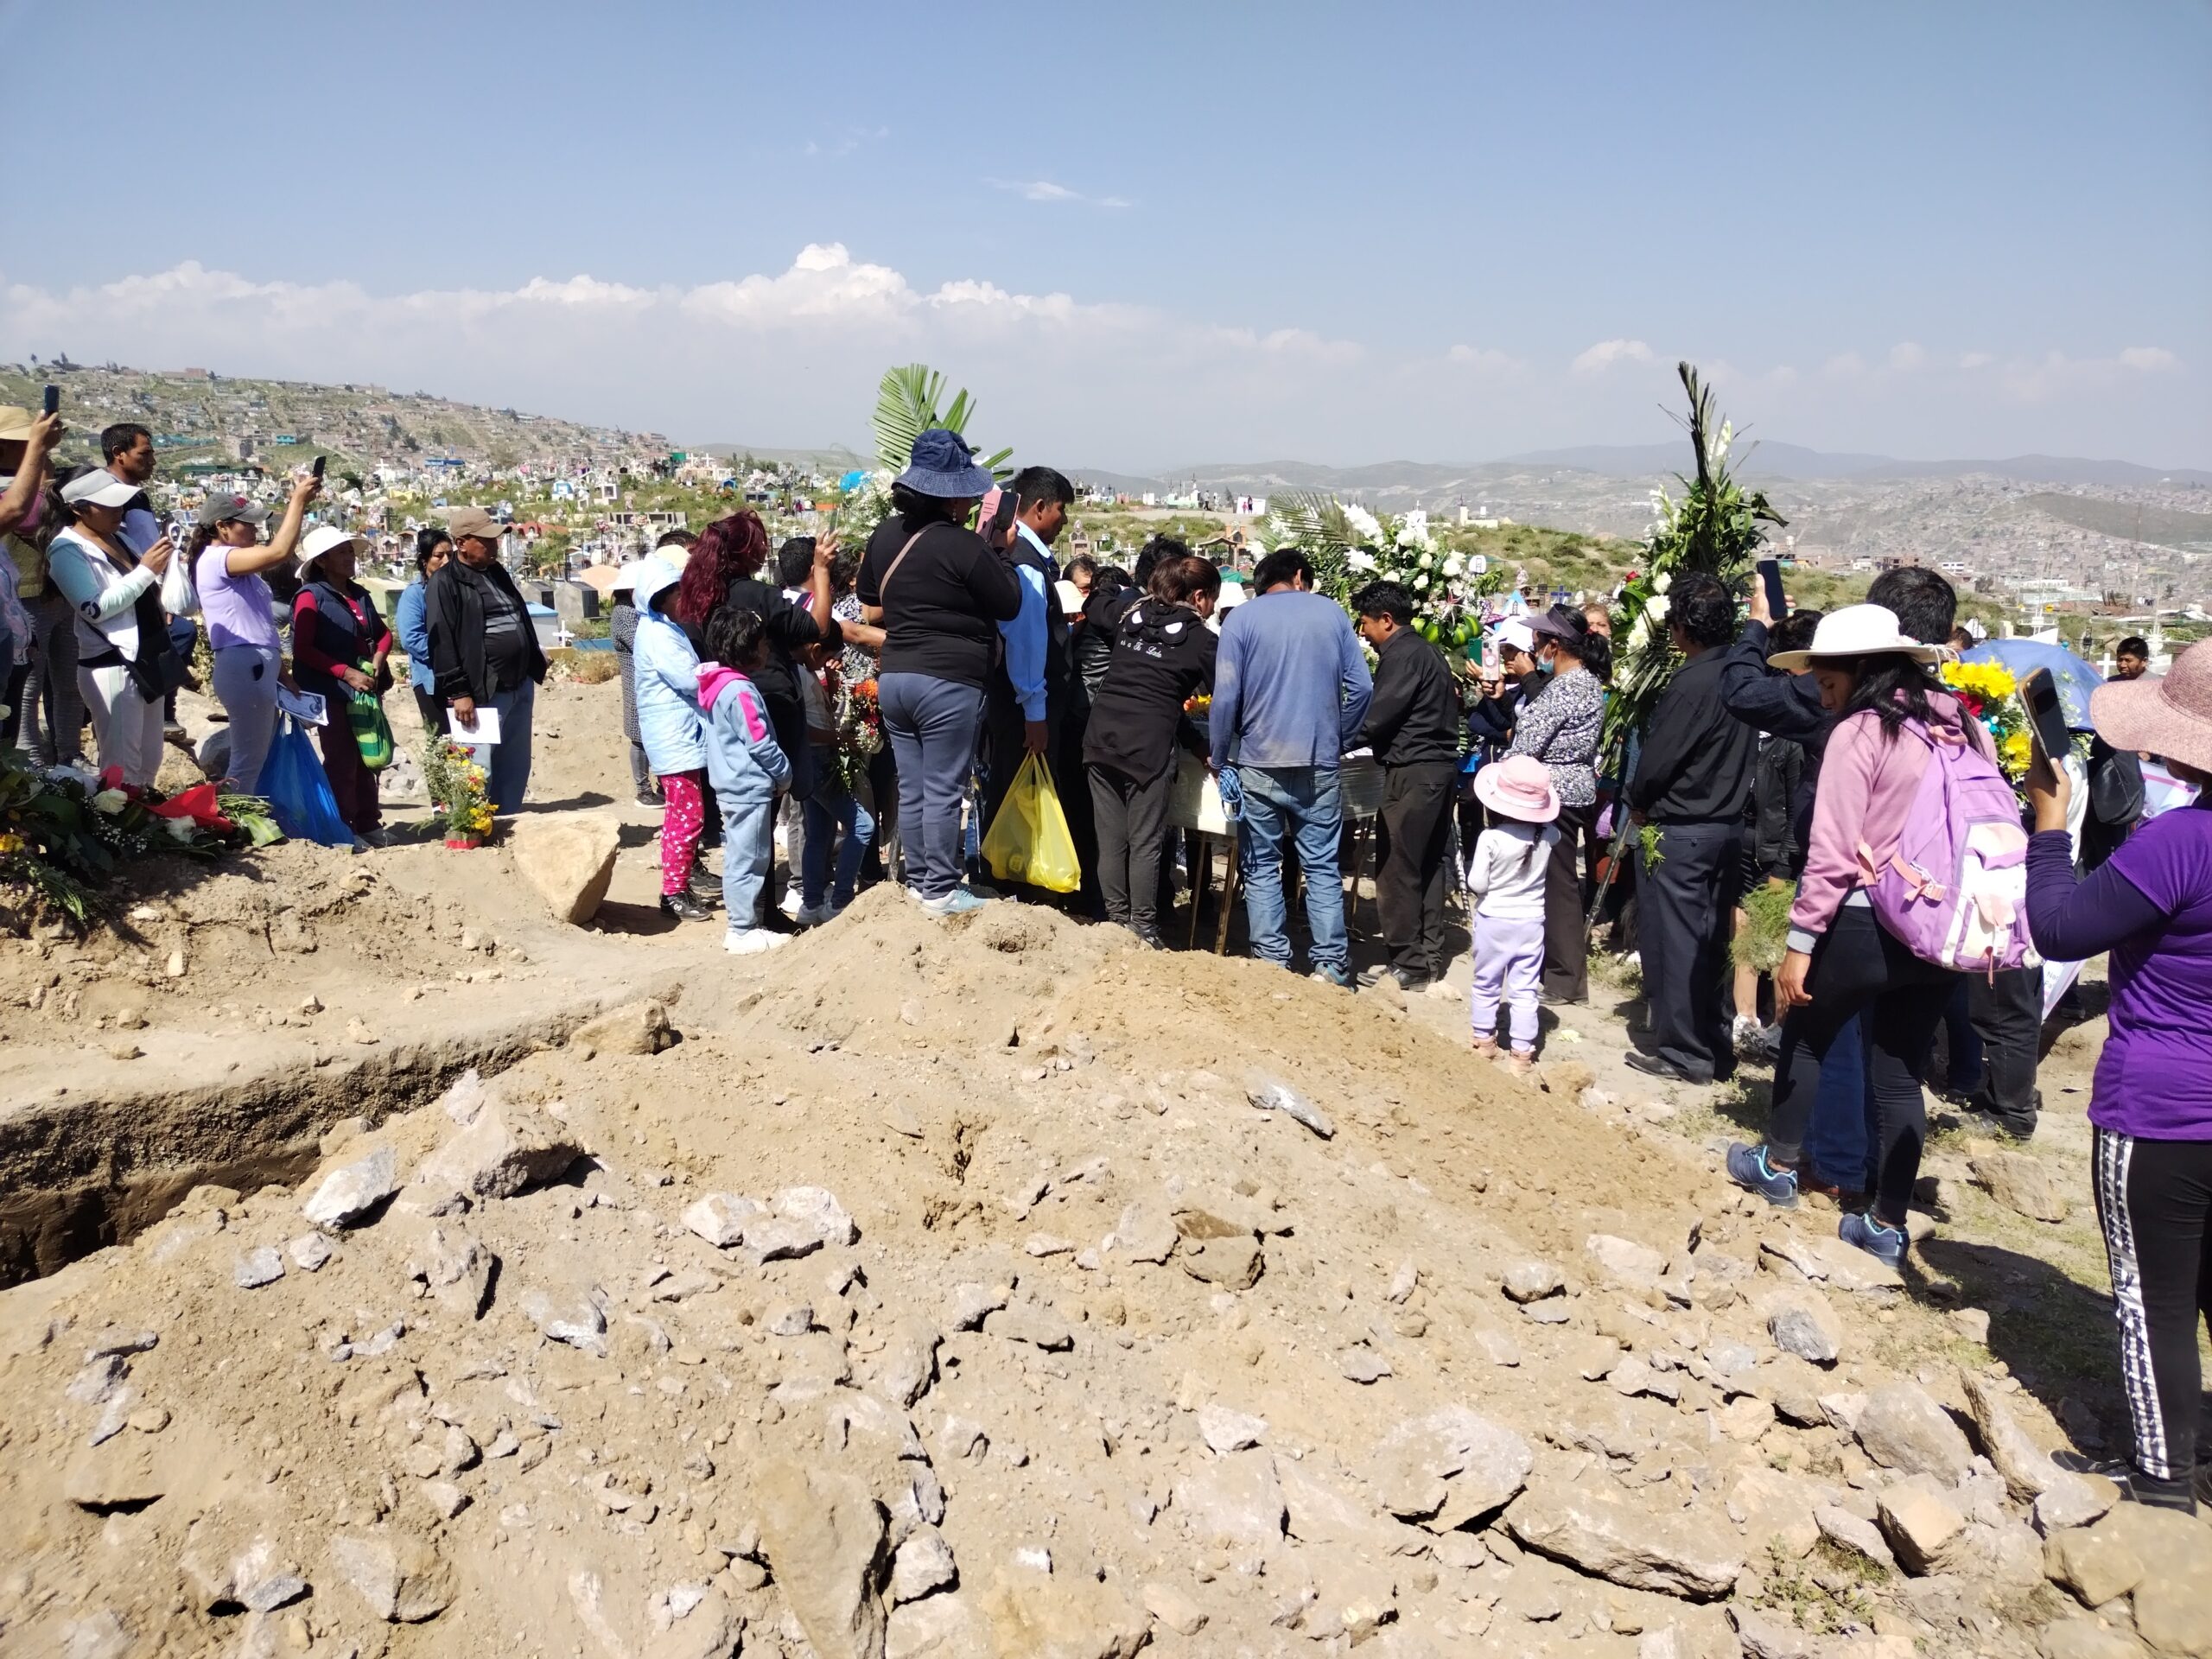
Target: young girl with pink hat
1506, 880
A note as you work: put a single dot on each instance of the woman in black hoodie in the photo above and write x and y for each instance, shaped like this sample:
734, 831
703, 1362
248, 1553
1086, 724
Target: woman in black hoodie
1163, 655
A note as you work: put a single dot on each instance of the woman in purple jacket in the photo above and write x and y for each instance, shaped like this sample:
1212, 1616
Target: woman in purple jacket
2150, 904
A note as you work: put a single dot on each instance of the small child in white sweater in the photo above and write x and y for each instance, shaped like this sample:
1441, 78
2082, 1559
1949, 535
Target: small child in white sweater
1506, 880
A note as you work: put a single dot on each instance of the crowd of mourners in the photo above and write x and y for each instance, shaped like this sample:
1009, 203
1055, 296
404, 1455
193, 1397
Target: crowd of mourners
882, 702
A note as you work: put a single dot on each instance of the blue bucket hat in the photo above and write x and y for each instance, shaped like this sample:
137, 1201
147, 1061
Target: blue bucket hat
943, 465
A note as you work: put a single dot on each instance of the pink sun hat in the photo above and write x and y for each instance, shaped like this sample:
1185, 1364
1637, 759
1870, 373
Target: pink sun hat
1519, 786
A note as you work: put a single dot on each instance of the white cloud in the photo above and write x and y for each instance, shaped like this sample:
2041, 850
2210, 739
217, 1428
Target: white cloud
1046, 190
1606, 352
1906, 356
2151, 359
792, 356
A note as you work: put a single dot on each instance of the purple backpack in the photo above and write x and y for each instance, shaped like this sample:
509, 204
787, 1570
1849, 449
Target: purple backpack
1955, 892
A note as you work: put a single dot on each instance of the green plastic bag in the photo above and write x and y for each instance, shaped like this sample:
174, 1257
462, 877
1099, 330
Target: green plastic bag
372, 731
1028, 841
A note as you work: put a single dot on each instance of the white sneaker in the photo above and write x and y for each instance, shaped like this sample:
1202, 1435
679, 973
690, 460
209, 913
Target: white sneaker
815, 915
752, 941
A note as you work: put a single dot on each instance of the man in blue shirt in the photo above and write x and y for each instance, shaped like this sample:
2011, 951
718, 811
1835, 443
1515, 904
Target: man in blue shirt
1290, 694
1033, 691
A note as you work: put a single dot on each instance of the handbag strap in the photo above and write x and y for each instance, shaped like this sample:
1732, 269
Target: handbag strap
884, 587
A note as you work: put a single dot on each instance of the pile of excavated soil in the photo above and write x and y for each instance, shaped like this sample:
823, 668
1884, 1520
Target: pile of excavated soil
997, 1287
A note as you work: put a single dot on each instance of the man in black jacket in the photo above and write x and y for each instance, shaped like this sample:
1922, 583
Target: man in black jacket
1692, 780
484, 650
1413, 726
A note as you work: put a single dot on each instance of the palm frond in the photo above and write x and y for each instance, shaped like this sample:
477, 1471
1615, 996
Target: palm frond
906, 407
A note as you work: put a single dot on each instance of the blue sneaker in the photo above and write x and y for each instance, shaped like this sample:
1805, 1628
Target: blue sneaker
1879, 1239
1748, 1168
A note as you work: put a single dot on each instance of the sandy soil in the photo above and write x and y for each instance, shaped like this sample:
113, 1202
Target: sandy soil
1108, 1352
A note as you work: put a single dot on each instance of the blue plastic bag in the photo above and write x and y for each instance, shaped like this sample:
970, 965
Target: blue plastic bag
298, 790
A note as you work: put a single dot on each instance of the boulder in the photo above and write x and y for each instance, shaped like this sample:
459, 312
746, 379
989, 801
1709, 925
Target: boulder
2073, 1500
1174, 1607
1233, 1500
1450, 1453
1920, 1521
398, 1575
1802, 1324
2094, 1564
638, 1027
1903, 1427
457, 1269
1597, 1529
2028, 1471
2173, 1609
817, 1210
347, 1193
1062, 1616
924, 1564
1233, 1263
824, 1538
569, 857
1532, 1280
1146, 1232
2087, 1638
721, 1218
508, 1149
2021, 1184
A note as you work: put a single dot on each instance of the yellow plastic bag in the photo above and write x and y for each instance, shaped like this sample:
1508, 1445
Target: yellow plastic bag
1028, 841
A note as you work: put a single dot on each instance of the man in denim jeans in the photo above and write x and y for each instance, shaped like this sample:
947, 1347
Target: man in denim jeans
1290, 692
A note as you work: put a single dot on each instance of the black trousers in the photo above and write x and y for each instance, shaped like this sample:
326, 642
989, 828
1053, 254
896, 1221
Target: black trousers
1068, 771
2154, 1202
1689, 897
1567, 977
1858, 966
2006, 1013
1411, 835
1132, 824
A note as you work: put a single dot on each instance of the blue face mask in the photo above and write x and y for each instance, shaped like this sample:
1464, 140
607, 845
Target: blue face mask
1544, 664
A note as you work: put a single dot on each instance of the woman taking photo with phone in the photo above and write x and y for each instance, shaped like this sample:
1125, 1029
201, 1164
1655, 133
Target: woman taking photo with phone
125, 662
2150, 904
338, 648
228, 560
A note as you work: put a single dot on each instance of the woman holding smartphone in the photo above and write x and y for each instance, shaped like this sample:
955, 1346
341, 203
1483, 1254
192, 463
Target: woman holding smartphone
228, 559
125, 662
2150, 904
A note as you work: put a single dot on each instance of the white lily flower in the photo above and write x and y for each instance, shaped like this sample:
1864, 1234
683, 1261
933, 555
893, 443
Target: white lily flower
179, 829
110, 801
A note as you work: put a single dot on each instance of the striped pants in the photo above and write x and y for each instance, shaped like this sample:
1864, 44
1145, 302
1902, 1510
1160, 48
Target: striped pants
2154, 1202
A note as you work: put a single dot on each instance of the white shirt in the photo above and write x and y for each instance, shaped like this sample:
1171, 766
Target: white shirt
1507, 874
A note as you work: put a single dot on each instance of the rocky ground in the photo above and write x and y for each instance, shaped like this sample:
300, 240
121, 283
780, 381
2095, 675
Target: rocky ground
983, 1289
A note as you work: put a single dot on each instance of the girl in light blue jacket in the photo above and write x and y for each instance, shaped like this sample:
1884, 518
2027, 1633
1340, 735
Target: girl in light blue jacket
673, 731
748, 769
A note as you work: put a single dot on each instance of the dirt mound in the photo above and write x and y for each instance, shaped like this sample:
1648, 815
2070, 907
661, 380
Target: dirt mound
997, 1286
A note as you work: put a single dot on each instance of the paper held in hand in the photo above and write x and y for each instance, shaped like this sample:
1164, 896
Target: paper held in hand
306, 707
486, 729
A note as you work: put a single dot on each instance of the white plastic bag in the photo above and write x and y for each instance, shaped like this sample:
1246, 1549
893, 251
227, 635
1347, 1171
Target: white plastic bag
179, 596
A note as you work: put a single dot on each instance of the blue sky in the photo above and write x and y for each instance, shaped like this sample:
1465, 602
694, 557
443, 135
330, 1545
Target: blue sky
1152, 234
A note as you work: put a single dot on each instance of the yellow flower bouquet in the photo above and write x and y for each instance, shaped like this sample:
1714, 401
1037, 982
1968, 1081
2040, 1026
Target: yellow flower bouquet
1990, 693
456, 786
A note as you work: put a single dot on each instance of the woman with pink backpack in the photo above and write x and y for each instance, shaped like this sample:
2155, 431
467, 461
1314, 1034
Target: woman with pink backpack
1914, 871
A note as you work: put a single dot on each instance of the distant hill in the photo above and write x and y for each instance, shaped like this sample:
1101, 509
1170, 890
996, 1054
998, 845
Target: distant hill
1760, 459
2161, 526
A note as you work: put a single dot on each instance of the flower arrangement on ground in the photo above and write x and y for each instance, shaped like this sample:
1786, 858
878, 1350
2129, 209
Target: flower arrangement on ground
1989, 693
456, 786
64, 834
1349, 547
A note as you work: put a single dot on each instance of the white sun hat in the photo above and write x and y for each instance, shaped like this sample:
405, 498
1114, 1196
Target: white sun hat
1856, 631
324, 538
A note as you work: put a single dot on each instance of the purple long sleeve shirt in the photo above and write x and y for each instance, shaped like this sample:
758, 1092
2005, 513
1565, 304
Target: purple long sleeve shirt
2151, 907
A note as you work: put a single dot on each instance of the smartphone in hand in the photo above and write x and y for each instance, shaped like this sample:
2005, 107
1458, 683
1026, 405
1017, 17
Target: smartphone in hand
1771, 573
52, 402
320, 461
1002, 520
2046, 720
